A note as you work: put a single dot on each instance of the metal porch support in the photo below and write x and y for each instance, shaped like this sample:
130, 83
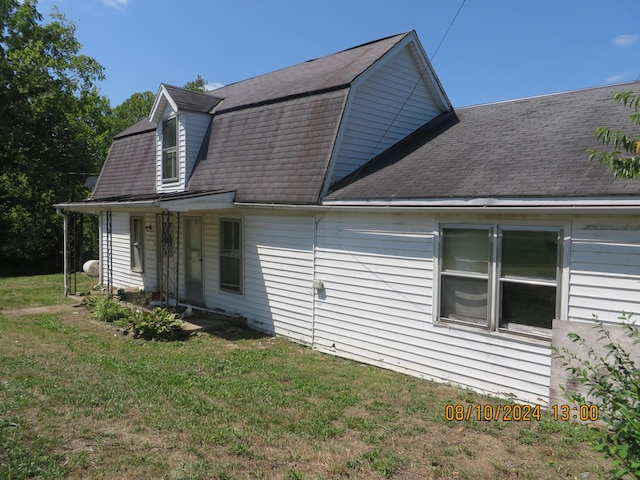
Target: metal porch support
169, 259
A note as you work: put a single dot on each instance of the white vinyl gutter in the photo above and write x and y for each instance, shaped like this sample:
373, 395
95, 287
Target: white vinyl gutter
514, 205
630, 204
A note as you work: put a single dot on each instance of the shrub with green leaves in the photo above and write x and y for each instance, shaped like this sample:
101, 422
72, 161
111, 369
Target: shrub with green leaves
157, 324
614, 383
106, 309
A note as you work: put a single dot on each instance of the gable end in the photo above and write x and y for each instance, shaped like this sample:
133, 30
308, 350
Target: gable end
397, 95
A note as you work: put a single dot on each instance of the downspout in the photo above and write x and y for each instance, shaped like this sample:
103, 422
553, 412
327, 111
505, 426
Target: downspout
65, 250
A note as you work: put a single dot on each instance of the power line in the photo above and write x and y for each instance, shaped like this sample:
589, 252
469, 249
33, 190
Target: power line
447, 32
358, 170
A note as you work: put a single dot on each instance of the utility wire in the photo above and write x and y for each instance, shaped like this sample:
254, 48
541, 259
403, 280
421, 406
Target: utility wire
357, 172
447, 32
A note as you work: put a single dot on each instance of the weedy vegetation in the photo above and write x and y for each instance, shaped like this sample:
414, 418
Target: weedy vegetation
80, 400
613, 380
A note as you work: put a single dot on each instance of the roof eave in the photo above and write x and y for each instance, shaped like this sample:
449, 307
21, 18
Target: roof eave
602, 204
156, 110
185, 203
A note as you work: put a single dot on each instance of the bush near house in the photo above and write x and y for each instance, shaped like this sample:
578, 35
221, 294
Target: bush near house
106, 310
157, 324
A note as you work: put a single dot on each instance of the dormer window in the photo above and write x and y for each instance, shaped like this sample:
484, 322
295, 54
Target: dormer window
170, 150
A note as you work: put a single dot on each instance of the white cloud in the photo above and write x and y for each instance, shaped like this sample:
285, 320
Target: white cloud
625, 40
621, 77
117, 4
213, 86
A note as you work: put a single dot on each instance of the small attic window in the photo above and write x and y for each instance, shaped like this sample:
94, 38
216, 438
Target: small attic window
170, 150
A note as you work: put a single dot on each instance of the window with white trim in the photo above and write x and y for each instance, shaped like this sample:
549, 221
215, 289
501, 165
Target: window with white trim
170, 150
136, 236
500, 277
231, 255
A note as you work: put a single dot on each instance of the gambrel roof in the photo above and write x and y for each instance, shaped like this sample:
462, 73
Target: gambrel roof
130, 166
271, 138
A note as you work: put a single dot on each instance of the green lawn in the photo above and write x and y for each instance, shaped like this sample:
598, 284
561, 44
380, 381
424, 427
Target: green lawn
16, 292
80, 400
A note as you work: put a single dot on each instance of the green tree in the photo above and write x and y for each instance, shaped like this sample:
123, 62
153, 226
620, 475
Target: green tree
624, 159
131, 111
199, 84
51, 120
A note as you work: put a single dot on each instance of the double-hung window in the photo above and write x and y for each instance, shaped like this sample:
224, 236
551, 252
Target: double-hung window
170, 150
136, 235
231, 255
500, 277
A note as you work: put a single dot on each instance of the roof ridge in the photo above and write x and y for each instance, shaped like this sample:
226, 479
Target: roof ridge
403, 34
313, 60
552, 94
324, 73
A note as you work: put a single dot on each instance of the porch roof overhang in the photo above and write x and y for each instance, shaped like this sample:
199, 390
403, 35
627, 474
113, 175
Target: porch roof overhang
182, 202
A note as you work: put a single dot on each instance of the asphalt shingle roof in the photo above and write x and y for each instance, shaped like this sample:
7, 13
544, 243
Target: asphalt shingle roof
533, 147
275, 153
270, 140
191, 100
324, 73
130, 167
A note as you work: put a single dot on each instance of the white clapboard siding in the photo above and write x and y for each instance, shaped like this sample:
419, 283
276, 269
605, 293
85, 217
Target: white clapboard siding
277, 295
377, 308
123, 277
210, 260
391, 103
605, 272
279, 274
195, 126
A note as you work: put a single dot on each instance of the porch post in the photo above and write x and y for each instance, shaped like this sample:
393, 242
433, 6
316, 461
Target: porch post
65, 250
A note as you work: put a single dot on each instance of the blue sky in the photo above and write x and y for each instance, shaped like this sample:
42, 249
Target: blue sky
495, 50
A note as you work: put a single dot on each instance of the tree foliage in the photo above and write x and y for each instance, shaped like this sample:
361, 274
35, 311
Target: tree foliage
198, 85
51, 117
55, 129
624, 159
131, 111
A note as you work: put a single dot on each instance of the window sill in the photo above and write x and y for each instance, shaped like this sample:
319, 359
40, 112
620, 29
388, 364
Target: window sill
501, 332
228, 290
